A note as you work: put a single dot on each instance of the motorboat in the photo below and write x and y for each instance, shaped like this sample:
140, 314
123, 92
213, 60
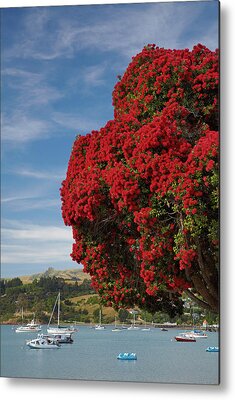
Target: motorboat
164, 329
60, 338
30, 327
184, 338
127, 356
60, 330
212, 349
42, 342
198, 334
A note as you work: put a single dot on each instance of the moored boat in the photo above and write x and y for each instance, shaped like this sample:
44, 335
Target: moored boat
43, 343
60, 338
198, 334
100, 327
212, 349
60, 330
133, 326
127, 356
116, 328
184, 338
30, 327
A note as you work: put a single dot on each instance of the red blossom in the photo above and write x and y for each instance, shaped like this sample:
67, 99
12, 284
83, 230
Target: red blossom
145, 179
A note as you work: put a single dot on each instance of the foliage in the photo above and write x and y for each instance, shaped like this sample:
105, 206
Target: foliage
123, 315
39, 297
141, 194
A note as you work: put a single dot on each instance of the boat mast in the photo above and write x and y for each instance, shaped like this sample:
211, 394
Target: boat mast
57, 298
58, 321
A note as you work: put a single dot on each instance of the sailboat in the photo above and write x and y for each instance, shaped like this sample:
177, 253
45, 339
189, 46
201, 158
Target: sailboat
145, 326
30, 327
133, 326
100, 327
59, 329
116, 329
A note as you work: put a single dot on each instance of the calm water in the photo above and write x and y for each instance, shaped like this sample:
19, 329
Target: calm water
93, 354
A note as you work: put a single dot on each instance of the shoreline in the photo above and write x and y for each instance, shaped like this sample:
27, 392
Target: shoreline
154, 326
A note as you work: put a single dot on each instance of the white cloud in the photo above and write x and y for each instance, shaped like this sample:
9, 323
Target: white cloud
35, 254
20, 129
38, 232
76, 123
44, 175
31, 203
31, 89
94, 75
29, 243
125, 30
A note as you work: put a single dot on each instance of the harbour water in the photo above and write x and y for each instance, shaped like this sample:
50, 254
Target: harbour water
93, 356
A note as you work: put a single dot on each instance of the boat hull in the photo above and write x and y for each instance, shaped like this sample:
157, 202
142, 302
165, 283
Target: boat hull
184, 339
212, 349
18, 330
127, 356
60, 331
42, 346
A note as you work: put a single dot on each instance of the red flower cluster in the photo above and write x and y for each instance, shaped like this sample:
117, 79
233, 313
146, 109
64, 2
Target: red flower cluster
142, 191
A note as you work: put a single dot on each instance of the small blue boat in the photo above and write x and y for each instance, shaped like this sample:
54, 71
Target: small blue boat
127, 356
212, 349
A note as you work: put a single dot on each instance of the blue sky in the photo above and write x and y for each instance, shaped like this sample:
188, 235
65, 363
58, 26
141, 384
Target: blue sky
59, 67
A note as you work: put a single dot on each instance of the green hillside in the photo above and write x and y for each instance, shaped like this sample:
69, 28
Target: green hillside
36, 295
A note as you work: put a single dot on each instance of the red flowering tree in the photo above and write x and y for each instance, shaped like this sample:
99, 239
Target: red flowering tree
141, 194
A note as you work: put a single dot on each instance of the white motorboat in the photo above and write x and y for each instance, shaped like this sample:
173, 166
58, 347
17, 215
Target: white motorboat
197, 334
59, 329
30, 327
60, 338
42, 342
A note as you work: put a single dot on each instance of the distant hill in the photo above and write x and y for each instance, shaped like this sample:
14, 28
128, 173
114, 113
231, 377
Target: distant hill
69, 275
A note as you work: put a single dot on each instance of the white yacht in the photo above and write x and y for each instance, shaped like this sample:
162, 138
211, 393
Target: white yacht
30, 327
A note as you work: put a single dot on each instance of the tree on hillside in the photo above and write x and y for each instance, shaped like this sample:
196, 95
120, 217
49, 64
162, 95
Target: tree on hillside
141, 194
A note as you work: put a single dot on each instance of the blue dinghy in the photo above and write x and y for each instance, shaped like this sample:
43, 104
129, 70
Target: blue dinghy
127, 356
212, 349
